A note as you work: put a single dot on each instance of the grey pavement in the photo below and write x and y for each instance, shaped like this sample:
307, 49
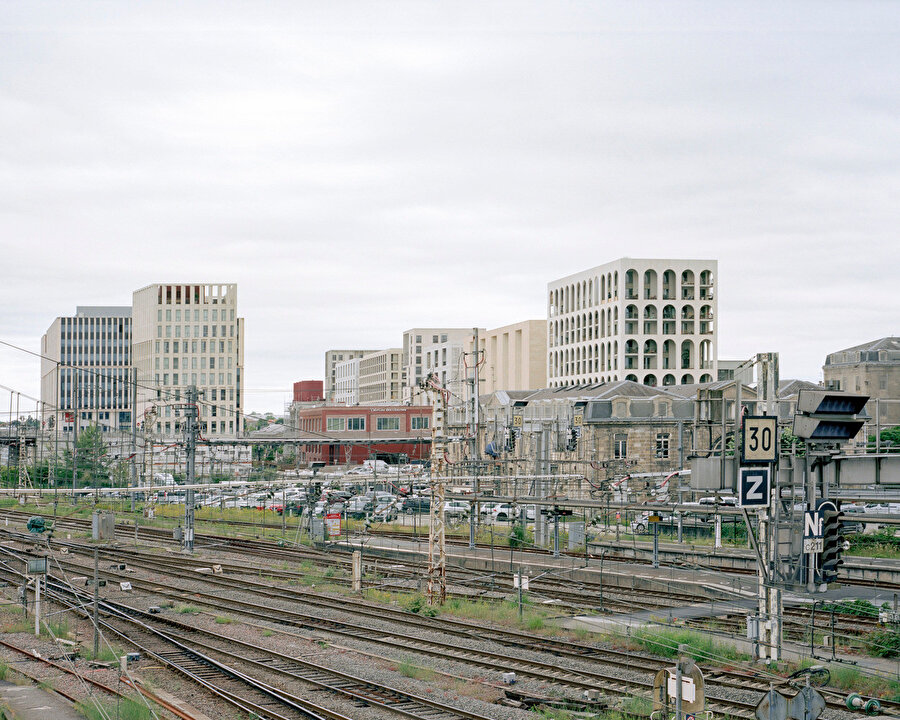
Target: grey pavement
29, 702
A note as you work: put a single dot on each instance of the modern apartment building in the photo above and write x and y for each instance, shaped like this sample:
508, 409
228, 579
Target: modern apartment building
86, 370
332, 358
379, 377
649, 321
415, 342
514, 357
189, 334
346, 382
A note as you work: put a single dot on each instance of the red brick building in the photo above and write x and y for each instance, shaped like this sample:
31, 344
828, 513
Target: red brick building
383, 431
309, 391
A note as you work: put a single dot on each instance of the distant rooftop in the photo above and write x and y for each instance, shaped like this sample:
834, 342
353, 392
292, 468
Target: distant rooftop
885, 350
103, 311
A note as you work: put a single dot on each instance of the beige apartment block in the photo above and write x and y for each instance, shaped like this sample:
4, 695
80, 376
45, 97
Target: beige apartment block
514, 357
189, 334
414, 368
651, 321
379, 377
332, 359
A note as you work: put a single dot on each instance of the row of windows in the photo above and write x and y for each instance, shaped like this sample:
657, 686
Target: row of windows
620, 446
182, 379
203, 364
168, 346
207, 330
605, 323
604, 357
389, 422
206, 428
187, 315
193, 294
598, 290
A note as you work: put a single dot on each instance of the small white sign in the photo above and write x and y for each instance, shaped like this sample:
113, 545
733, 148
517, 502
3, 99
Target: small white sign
813, 546
524, 582
688, 690
126, 586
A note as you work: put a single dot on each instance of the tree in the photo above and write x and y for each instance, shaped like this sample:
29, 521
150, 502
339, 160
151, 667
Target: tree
93, 461
890, 438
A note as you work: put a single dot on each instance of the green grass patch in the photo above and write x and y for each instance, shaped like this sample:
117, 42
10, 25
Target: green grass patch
700, 647
124, 710
407, 669
851, 679
188, 609
224, 620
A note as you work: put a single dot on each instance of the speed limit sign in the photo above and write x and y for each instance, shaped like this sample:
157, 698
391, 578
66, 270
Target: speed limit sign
759, 442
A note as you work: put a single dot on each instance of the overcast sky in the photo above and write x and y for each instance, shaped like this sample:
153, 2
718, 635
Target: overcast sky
362, 168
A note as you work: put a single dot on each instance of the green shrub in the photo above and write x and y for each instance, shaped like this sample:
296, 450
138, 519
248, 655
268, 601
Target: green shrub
884, 643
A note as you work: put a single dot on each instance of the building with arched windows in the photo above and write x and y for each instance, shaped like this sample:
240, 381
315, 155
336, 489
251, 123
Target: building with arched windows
645, 320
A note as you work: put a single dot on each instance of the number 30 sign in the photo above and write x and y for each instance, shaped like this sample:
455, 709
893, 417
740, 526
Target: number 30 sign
759, 442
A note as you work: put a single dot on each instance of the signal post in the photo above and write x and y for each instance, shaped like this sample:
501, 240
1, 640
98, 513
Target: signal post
759, 463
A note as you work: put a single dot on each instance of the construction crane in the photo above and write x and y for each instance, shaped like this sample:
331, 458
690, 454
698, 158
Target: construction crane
437, 552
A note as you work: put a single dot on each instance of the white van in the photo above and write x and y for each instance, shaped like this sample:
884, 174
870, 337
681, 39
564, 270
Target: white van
376, 465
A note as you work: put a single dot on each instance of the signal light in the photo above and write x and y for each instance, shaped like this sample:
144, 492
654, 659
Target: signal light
832, 545
828, 416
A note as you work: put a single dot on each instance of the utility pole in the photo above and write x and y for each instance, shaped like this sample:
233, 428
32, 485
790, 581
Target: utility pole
96, 604
76, 373
770, 597
437, 553
474, 455
190, 445
133, 435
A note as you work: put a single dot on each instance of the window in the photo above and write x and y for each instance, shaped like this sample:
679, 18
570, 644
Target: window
419, 422
662, 445
356, 423
333, 424
620, 445
387, 423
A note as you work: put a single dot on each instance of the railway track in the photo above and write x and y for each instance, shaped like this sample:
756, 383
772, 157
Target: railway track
578, 680
179, 646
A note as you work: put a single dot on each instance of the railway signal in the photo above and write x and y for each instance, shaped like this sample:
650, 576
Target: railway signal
825, 416
832, 544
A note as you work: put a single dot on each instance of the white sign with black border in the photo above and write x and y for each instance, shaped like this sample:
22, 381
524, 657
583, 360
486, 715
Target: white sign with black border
755, 487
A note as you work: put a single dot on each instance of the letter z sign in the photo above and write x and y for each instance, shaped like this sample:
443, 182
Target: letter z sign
755, 487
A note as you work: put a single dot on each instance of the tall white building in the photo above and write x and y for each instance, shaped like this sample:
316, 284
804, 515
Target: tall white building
189, 334
332, 358
86, 370
650, 321
415, 343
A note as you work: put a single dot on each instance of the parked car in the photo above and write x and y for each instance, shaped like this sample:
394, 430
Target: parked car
507, 511
641, 523
456, 508
385, 512
416, 504
487, 509
358, 506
